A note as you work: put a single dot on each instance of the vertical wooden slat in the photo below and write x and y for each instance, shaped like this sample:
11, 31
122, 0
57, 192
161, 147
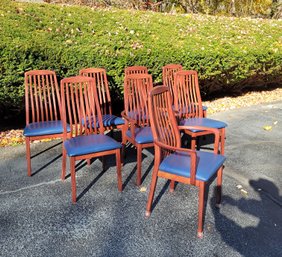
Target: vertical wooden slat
27, 104
69, 91
31, 78
49, 99
44, 89
36, 100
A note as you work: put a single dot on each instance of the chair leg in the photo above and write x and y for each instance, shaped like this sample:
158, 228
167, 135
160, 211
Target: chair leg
172, 186
201, 209
64, 163
28, 160
139, 165
219, 187
222, 141
152, 191
193, 143
88, 162
73, 180
118, 164
103, 163
123, 143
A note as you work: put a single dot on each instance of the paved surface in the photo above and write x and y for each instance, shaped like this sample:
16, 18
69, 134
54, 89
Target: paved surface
37, 217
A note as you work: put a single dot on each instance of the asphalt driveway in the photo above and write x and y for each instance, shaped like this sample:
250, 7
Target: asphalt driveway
37, 217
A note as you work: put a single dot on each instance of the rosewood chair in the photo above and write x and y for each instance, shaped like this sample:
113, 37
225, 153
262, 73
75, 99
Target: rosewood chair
138, 132
43, 109
183, 165
110, 121
168, 80
80, 103
135, 70
169, 71
188, 104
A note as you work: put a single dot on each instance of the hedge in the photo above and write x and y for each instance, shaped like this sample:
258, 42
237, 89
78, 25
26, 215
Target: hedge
230, 54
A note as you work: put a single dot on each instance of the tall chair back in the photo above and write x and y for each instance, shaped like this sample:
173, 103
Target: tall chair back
135, 70
136, 92
80, 106
187, 98
102, 85
169, 71
42, 97
163, 121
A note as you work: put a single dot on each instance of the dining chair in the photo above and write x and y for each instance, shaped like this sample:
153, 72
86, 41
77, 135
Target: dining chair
135, 70
80, 109
110, 121
138, 131
198, 168
168, 72
188, 104
42, 109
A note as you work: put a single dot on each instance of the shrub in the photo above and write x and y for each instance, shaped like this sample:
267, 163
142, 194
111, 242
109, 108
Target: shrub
229, 53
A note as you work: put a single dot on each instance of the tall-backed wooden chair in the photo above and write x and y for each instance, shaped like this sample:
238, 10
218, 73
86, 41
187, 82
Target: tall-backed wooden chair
188, 104
135, 70
43, 109
136, 115
183, 165
110, 121
168, 72
79, 104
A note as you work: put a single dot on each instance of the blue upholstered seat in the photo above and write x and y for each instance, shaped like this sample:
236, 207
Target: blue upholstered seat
142, 135
81, 145
112, 120
179, 164
109, 120
44, 128
205, 122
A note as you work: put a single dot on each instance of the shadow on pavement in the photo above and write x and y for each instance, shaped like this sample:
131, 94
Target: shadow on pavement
253, 240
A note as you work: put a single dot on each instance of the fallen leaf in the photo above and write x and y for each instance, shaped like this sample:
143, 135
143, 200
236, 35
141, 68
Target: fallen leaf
239, 186
267, 128
143, 189
244, 192
275, 122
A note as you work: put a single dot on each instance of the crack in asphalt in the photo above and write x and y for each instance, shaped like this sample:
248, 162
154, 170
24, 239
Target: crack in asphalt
30, 187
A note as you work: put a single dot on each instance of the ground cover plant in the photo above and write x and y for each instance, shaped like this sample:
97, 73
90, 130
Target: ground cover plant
230, 54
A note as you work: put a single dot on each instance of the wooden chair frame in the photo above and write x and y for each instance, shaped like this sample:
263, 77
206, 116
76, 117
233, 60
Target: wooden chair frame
136, 91
167, 139
168, 72
80, 104
103, 93
135, 70
42, 103
187, 97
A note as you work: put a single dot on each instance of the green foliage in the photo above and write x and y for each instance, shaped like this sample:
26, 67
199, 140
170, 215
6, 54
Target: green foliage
228, 53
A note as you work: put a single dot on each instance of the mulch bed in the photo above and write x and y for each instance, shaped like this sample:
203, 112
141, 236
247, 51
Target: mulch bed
15, 136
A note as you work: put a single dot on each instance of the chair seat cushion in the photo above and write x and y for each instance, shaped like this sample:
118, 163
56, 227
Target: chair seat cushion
44, 128
112, 120
108, 121
142, 135
87, 144
205, 122
178, 163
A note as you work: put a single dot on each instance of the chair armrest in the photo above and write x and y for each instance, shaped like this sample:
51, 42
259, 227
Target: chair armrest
132, 122
123, 115
191, 153
211, 130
